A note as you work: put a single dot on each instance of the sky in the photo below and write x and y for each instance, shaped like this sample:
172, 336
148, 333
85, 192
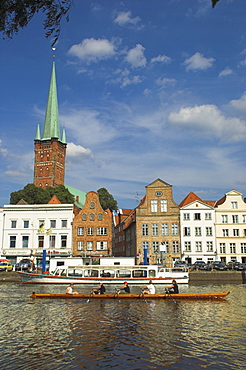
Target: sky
147, 89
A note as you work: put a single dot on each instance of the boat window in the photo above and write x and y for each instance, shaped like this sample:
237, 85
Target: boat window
123, 274
151, 273
107, 273
137, 273
63, 272
94, 273
75, 272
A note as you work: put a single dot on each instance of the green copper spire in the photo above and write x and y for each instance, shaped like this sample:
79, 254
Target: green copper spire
38, 137
51, 123
63, 137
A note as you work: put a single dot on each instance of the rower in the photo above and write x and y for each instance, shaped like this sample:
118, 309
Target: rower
100, 289
125, 289
172, 289
149, 289
69, 289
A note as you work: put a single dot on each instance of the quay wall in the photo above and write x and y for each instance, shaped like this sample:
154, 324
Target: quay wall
218, 276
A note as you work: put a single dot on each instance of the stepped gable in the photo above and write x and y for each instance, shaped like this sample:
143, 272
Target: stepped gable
54, 200
22, 202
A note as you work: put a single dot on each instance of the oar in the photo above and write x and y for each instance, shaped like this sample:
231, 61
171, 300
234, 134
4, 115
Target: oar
117, 292
88, 300
144, 296
171, 296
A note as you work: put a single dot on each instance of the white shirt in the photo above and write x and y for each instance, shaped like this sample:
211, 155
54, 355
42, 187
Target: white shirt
151, 289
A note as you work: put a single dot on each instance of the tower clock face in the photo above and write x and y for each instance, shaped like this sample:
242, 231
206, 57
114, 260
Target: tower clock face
158, 193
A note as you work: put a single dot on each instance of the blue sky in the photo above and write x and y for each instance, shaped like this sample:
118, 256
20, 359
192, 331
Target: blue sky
147, 89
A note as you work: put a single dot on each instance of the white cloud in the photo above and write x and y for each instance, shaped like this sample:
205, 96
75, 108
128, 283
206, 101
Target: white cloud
124, 18
166, 81
136, 56
243, 63
208, 121
226, 72
125, 79
93, 50
3, 151
198, 62
240, 104
78, 151
161, 59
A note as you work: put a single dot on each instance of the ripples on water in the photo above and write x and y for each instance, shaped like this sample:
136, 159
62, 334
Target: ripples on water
75, 334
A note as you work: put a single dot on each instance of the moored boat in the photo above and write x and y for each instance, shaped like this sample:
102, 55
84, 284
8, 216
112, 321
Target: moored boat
91, 274
197, 296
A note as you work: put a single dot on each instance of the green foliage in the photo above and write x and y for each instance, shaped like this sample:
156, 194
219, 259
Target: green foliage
16, 14
107, 200
34, 195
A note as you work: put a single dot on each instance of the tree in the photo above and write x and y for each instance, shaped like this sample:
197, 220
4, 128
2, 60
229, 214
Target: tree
34, 195
16, 14
107, 200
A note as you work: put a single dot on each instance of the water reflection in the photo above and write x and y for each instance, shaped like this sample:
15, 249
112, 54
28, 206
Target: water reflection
64, 334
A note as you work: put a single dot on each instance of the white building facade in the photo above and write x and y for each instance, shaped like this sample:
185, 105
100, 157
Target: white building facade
230, 224
27, 230
198, 232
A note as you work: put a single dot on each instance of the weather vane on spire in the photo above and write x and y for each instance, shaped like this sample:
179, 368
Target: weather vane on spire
54, 49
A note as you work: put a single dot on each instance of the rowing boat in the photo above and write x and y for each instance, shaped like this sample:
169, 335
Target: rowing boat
179, 296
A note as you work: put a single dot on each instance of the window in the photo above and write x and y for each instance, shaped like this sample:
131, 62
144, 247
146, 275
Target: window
209, 246
175, 247
235, 232
186, 216
41, 223
102, 231
198, 231
52, 224
164, 229
145, 245
25, 239
244, 219
165, 247
186, 231
153, 204
92, 205
102, 246
145, 231
12, 241
40, 241
163, 205
197, 216
155, 246
92, 217
243, 248
224, 219
84, 217
208, 216
64, 224
26, 224
100, 217
198, 246
209, 231
175, 229
234, 205
80, 245
63, 241
89, 230
187, 246
232, 248
235, 219
80, 231
89, 246
154, 229
225, 232
222, 248
13, 224
52, 241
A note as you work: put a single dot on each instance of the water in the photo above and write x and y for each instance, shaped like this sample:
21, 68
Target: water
75, 334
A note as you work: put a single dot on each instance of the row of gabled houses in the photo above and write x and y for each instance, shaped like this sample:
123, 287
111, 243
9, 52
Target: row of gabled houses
157, 231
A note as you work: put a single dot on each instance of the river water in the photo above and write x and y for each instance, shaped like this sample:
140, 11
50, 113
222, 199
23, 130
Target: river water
112, 334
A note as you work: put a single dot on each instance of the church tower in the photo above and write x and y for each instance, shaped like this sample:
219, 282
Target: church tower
50, 148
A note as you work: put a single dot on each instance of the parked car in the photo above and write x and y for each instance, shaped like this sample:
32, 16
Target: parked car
24, 265
218, 266
234, 265
198, 265
6, 266
180, 264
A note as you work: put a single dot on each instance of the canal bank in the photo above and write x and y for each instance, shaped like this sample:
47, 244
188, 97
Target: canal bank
218, 276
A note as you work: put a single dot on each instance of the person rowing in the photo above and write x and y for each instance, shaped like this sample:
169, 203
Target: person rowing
149, 289
125, 289
69, 289
172, 289
100, 289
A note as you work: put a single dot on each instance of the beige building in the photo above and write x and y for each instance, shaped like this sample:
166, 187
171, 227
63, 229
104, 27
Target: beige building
152, 228
92, 229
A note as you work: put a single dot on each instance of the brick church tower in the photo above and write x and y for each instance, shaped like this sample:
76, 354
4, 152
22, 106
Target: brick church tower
50, 149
